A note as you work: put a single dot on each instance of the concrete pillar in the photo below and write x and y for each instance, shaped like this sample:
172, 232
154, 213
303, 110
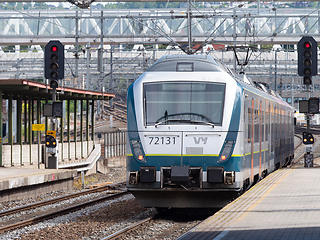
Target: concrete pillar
10, 137
19, 126
25, 120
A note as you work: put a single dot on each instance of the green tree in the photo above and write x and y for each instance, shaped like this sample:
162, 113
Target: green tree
40, 6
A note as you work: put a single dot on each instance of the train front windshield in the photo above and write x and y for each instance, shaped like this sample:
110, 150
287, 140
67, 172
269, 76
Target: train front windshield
183, 103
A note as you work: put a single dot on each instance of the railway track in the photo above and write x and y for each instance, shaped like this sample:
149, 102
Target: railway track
119, 112
56, 212
125, 230
313, 129
120, 106
298, 136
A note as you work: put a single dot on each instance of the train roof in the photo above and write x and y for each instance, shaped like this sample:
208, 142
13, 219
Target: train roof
186, 63
261, 89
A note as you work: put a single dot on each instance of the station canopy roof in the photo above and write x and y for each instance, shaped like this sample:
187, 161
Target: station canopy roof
18, 87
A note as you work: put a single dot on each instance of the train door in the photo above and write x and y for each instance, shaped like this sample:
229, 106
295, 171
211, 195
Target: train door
281, 125
267, 146
248, 136
276, 134
252, 138
260, 136
272, 135
284, 129
244, 126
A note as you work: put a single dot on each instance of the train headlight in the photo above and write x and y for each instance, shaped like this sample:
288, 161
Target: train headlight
226, 150
137, 150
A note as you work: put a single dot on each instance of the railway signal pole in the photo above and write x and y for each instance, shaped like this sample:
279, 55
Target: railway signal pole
53, 71
308, 67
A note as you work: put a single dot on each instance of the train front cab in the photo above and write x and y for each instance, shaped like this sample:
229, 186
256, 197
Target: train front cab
187, 175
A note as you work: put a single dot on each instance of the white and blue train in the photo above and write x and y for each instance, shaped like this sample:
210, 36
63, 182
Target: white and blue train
198, 135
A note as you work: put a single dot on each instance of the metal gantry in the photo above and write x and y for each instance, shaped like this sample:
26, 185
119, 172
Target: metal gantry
135, 39
156, 26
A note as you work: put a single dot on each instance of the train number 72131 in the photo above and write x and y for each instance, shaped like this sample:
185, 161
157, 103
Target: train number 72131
162, 140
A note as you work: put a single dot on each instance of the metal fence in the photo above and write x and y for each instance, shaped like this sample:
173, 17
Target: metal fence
114, 144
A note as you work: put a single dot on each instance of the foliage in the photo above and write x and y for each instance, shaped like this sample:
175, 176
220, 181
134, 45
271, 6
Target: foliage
141, 5
127, 5
163, 46
87, 181
22, 6
266, 47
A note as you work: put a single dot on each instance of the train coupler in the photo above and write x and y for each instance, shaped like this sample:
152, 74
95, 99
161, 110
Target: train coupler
133, 177
229, 178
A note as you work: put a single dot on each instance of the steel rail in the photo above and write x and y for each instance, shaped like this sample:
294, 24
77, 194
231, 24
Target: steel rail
59, 212
127, 229
59, 199
118, 113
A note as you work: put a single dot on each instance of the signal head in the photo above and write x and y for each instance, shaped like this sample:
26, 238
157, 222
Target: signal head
307, 71
54, 66
53, 75
51, 141
54, 57
54, 61
307, 138
54, 48
54, 84
307, 56
307, 44
307, 80
307, 62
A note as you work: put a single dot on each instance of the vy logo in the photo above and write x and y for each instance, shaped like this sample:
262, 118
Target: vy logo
203, 140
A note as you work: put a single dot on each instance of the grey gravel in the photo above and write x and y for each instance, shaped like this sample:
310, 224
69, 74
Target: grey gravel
71, 217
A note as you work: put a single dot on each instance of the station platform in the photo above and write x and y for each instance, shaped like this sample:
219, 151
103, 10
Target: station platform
22, 183
285, 205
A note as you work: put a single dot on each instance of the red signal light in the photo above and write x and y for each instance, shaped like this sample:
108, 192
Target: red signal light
307, 45
54, 48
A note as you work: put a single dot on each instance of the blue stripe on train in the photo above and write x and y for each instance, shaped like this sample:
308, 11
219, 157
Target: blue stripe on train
132, 126
233, 164
235, 117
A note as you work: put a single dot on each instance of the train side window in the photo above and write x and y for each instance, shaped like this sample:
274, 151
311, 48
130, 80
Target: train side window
273, 117
262, 125
267, 125
256, 126
249, 125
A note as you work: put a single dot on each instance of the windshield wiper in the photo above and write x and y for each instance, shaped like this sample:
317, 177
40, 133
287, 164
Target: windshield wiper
182, 120
208, 123
167, 120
